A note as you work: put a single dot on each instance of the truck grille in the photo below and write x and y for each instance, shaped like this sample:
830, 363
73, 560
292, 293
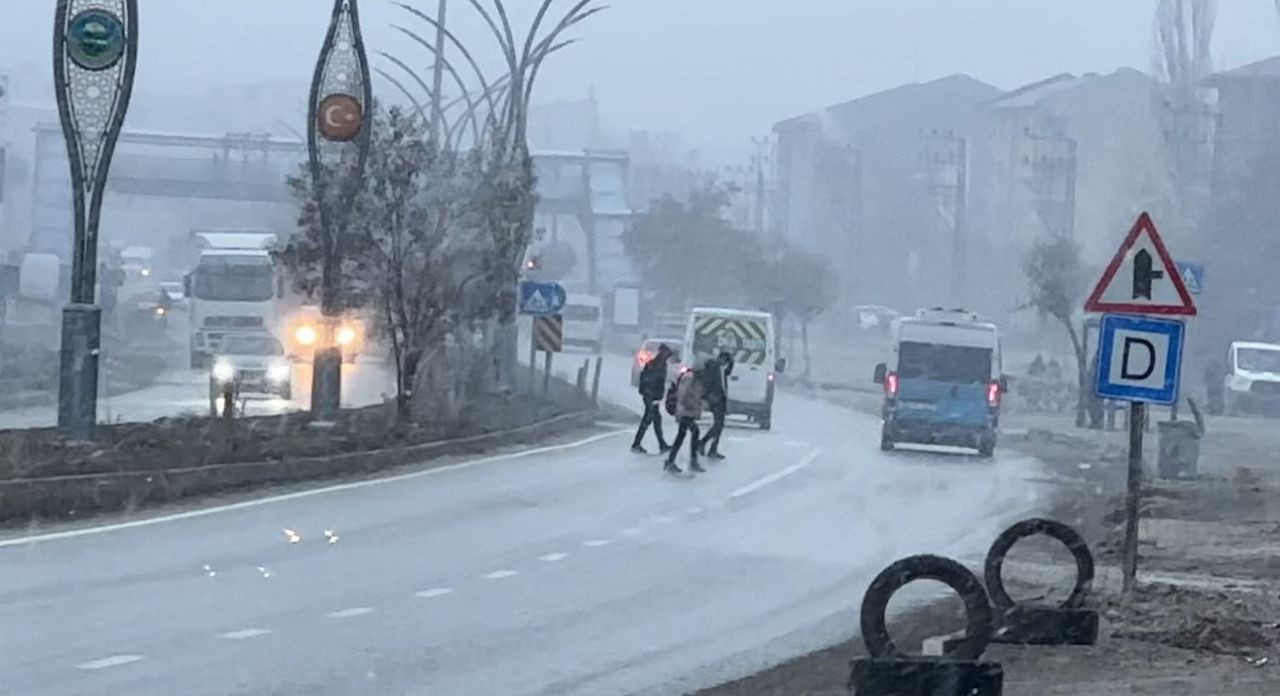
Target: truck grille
233, 322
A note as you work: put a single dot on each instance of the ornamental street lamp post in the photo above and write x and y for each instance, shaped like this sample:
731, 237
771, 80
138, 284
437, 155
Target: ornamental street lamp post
95, 50
338, 129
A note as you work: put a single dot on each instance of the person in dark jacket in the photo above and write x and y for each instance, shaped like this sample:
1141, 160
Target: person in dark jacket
716, 392
653, 385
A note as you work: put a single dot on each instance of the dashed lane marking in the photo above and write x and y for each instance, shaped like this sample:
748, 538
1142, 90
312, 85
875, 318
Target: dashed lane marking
501, 574
592, 543
553, 557
348, 613
433, 592
246, 633
775, 476
113, 661
269, 500
632, 532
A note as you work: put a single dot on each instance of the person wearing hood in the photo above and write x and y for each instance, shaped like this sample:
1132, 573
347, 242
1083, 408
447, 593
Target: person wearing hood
653, 385
688, 411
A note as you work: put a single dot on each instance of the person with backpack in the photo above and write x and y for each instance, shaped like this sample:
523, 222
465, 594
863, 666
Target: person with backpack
688, 409
715, 389
653, 385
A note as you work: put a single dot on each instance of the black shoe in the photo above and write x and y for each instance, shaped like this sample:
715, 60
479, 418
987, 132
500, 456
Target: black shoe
663, 449
694, 466
702, 450
716, 456
637, 449
671, 468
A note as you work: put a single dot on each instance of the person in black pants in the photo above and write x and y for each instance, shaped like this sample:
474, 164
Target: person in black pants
716, 392
653, 385
688, 411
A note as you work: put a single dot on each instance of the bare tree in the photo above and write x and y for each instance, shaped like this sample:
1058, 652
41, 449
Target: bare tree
1184, 36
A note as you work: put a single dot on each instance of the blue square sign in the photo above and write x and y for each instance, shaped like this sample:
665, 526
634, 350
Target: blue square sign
1139, 358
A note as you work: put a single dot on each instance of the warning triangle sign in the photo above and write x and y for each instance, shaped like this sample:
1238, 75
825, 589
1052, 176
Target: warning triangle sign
1142, 278
537, 302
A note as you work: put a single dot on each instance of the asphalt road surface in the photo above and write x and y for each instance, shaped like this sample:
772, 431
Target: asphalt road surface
573, 568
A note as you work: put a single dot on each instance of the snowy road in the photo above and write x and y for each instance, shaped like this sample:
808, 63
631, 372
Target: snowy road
570, 569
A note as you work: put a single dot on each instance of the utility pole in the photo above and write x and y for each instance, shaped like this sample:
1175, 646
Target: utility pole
758, 160
437, 77
338, 134
95, 51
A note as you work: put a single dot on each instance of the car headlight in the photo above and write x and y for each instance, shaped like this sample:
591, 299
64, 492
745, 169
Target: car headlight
306, 335
346, 336
223, 371
278, 372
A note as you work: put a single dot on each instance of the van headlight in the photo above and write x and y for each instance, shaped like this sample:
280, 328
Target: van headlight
306, 335
223, 371
346, 336
278, 372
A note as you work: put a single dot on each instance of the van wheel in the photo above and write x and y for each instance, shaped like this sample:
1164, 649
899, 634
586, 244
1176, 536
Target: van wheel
886, 442
766, 421
987, 446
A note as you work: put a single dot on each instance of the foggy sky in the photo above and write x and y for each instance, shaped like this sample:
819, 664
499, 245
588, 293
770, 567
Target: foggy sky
716, 71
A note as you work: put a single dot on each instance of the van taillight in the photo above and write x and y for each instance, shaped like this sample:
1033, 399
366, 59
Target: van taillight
891, 384
993, 393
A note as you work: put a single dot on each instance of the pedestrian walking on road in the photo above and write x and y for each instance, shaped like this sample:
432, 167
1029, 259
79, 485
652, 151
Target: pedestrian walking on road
688, 411
715, 390
653, 385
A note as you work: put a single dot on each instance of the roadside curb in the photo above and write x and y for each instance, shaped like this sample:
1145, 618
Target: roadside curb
83, 495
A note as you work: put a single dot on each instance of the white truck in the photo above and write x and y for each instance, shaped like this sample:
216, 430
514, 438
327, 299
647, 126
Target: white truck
749, 337
232, 289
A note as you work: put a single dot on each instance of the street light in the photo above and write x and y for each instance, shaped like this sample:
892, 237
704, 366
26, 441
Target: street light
338, 129
95, 50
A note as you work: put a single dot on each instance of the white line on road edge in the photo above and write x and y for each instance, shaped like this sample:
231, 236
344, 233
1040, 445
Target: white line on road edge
501, 574
775, 476
246, 633
591, 543
113, 661
87, 531
553, 557
348, 613
433, 592
632, 532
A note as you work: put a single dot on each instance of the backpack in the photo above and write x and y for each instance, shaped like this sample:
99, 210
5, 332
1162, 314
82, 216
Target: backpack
673, 395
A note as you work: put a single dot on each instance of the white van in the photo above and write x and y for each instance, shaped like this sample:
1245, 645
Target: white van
1252, 383
583, 322
750, 338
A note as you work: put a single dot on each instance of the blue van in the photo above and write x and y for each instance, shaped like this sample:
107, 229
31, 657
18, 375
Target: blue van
943, 384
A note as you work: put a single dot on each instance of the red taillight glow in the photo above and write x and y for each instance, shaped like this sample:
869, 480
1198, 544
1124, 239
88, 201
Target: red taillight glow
643, 357
891, 384
993, 393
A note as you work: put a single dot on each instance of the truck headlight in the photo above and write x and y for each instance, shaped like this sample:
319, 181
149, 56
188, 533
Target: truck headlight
278, 372
223, 371
306, 335
346, 336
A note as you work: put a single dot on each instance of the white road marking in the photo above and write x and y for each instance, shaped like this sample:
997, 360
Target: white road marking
246, 633
632, 531
501, 574
269, 500
348, 613
775, 476
666, 519
553, 557
113, 661
737, 438
591, 543
433, 592
694, 510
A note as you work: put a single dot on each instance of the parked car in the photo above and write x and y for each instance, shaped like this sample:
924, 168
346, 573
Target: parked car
648, 349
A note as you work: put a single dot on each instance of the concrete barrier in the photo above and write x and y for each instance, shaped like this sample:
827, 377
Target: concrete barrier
78, 496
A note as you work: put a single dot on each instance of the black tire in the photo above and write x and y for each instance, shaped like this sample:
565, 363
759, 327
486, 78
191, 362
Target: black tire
886, 442
987, 446
978, 615
992, 568
766, 420
286, 392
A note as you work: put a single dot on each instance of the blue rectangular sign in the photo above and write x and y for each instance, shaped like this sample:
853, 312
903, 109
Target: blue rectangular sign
1192, 276
541, 299
1139, 358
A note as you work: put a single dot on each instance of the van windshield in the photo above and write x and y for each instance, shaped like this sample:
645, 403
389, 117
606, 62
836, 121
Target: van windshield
1258, 360
581, 313
943, 363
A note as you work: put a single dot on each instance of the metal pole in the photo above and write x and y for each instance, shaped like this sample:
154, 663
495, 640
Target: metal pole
338, 136
437, 78
1129, 552
95, 50
546, 374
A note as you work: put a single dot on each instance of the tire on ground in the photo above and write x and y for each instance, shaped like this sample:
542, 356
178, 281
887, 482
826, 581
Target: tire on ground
875, 602
993, 568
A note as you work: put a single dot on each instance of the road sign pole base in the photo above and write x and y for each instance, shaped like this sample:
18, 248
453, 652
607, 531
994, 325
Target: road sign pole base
326, 384
78, 370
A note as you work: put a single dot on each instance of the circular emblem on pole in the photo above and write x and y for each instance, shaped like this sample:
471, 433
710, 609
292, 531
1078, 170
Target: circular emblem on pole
339, 117
95, 39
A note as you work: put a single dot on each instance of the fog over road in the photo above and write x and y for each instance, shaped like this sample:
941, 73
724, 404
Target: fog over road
572, 568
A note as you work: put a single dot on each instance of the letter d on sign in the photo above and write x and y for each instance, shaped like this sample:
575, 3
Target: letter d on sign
1129, 361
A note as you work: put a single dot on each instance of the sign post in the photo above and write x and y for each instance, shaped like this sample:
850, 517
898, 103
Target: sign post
1139, 357
543, 302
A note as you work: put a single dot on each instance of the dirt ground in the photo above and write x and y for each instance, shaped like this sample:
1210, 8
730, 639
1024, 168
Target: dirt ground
1205, 618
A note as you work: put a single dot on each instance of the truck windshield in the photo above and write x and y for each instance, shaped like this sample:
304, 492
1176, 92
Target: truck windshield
251, 345
943, 363
1258, 360
234, 283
